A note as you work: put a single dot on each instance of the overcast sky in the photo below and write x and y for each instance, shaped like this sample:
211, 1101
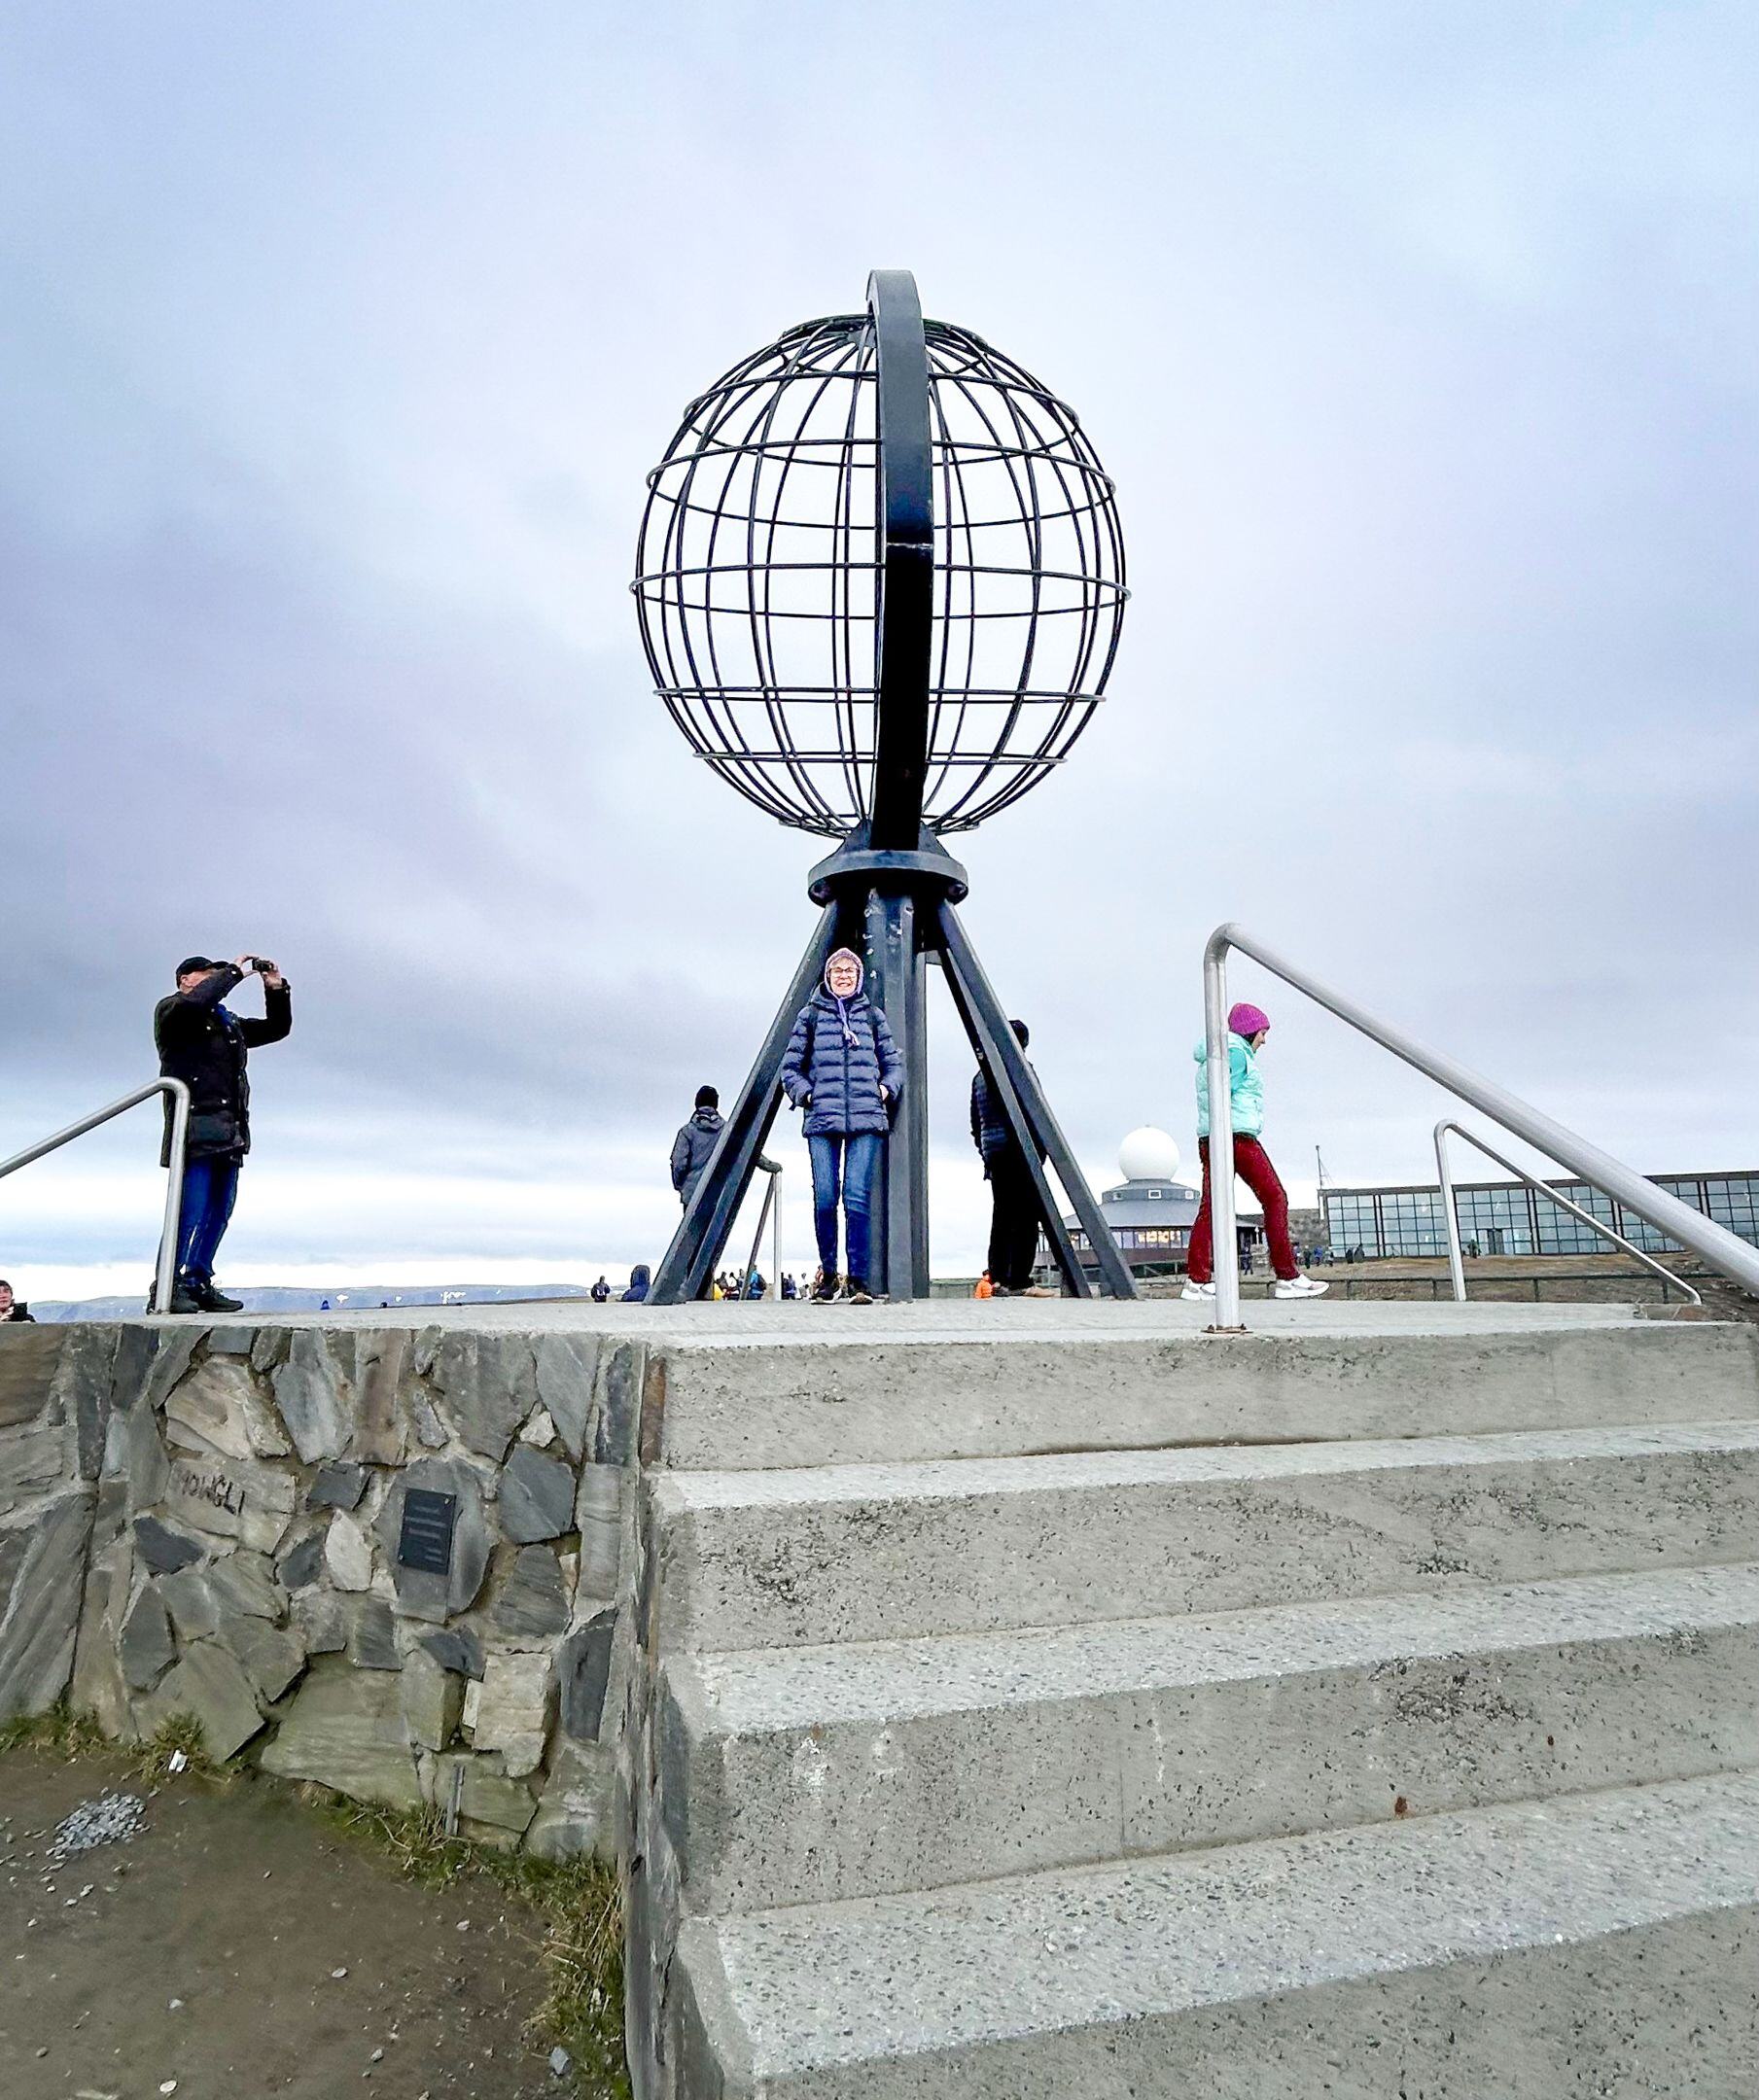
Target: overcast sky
335, 342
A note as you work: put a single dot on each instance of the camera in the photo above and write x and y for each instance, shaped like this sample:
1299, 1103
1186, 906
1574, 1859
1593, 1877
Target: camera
262, 966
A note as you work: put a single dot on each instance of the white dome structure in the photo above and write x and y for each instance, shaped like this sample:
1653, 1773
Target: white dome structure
1148, 1154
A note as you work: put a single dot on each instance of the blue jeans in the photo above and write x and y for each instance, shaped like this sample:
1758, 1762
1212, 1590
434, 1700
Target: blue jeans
210, 1188
854, 1161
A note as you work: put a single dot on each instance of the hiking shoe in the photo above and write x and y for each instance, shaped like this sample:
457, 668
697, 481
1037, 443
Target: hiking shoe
1198, 1291
1300, 1286
825, 1290
211, 1300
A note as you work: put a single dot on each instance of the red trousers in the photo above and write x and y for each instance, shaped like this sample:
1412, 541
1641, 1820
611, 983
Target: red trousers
1251, 1162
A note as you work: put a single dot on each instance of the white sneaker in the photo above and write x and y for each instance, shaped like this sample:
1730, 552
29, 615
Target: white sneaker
1300, 1286
1198, 1291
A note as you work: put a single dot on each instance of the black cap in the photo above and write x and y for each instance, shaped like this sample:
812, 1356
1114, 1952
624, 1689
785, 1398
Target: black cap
708, 1097
198, 963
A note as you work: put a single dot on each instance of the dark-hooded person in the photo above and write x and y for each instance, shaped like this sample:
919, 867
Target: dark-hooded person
203, 1043
695, 1145
1014, 1212
640, 1284
843, 1069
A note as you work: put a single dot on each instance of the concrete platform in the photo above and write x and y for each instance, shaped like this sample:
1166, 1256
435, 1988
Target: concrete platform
1585, 1947
816, 1774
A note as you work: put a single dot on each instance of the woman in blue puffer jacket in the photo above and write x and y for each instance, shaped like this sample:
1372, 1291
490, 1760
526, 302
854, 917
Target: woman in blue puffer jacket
842, 1067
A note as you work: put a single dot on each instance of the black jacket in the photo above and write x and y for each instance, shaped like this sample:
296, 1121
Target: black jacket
991, 1130
202, 1044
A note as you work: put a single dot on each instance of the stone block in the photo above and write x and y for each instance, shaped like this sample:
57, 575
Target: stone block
345, 1730
217, 1409
488, 1387
81, 1383
163, 1549
430, 1430
128, 1366
566, 1370
433, 1699
268, 1348
31, 1462
598, 1517
456, 1649
322, 1619
583, 1676
513, 1713
613, 1440
244, 1581
232, 1498
308, 1392
540, 1431
209, 1685
302, 1563
533, 1602
347, 1553
491, 1802
421, 1593
537, 1497
270, 1656
373, 1634
41, 1615
98, 1687
29, 1358
576, 1811
339, 1484
173, 1353
143, 1457
380, 1433
146, 1649
186, 1597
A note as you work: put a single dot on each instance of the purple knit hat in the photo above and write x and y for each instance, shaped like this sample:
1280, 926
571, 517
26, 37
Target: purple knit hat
1245, 1020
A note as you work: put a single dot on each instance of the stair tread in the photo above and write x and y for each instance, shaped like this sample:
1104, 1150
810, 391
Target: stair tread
750, 1692
897, 1977
952, 1480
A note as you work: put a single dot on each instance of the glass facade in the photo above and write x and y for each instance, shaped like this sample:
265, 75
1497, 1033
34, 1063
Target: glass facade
1506, 1217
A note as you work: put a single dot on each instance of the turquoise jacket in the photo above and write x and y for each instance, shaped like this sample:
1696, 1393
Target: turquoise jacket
1246, 1086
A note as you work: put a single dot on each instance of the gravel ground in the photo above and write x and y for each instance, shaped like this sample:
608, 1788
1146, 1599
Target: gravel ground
235, 1946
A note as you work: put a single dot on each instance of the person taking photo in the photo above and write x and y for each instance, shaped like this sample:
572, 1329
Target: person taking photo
203, 1043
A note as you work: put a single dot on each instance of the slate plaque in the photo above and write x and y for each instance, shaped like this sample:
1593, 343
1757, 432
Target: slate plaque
425, 1541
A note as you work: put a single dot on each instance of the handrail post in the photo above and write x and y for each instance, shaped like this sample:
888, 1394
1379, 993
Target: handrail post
1218, 1085
164, 1282
1444, 1174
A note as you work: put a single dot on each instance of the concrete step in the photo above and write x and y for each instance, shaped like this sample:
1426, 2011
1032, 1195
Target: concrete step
892, 1391
814, 1774
863, 1553
1604, 1945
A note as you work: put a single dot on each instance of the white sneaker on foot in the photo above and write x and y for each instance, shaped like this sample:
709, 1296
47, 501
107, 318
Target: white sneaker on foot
1198, 1291
1300, 1286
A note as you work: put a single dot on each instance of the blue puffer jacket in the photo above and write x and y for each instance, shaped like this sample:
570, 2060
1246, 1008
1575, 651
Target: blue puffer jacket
841, 1078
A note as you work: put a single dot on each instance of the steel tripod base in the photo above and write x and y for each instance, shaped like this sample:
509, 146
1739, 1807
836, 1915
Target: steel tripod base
899, 908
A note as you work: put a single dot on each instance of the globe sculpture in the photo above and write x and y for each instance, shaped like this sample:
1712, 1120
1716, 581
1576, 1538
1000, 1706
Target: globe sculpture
880, 581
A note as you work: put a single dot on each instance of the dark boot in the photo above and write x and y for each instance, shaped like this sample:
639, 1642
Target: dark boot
186, 1295
212, 1301
824, 1291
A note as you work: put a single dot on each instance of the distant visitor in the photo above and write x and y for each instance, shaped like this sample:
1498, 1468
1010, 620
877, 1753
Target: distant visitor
695, 1145
1248, 1028
11, 1307
842, 1068
205, 1044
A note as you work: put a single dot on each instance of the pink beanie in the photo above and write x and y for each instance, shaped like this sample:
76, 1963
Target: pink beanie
1245, 1020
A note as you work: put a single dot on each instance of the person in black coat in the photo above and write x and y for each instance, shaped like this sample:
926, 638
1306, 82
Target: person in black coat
1013, 1199
11, 1307
695, 1145
205, 1044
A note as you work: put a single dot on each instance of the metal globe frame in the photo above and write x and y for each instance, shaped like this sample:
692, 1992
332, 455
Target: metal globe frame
719, 550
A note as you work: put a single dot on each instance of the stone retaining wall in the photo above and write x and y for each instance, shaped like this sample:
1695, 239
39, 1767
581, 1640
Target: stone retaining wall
206, 1520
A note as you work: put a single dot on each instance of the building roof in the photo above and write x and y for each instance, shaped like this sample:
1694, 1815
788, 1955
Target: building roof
1138, 1203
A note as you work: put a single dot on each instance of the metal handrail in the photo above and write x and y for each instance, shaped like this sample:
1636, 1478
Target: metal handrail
1455, 1255
166, 1271
1715, 1246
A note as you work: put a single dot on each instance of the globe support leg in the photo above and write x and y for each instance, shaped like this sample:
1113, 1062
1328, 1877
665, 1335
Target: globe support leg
708, 1221
1036, 1129
898, 982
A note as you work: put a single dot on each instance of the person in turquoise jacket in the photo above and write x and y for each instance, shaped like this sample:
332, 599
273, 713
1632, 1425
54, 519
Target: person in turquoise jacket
1248, 1028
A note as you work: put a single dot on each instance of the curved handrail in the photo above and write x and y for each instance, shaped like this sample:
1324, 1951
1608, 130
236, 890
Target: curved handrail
1715, 1246
1456, 1255
166, 1267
